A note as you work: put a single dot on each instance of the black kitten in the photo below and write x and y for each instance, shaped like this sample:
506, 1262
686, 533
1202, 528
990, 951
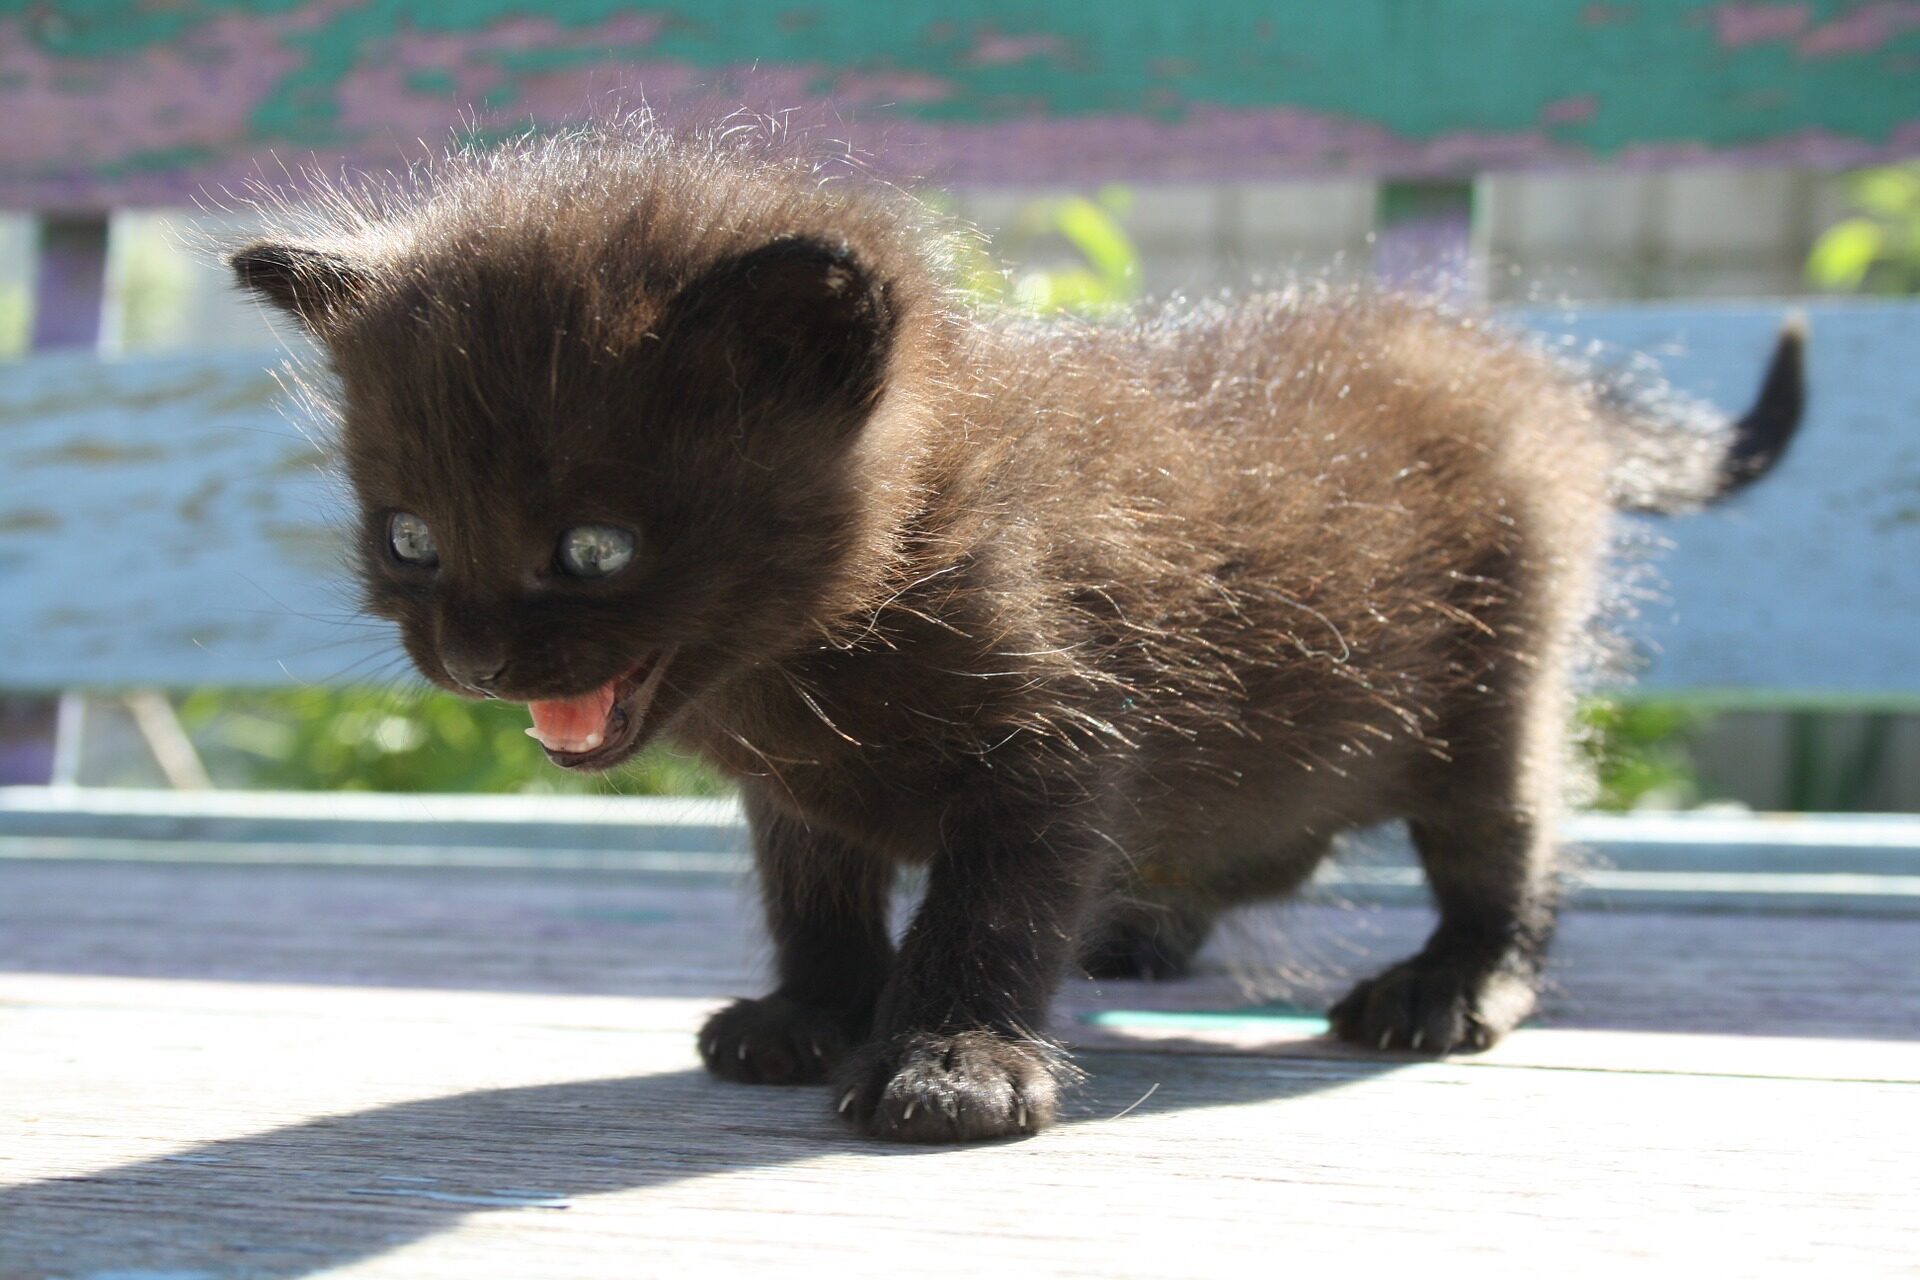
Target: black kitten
1108, 627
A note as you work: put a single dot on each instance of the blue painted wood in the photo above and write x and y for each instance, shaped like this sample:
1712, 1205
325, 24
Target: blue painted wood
1807, 586
164, 523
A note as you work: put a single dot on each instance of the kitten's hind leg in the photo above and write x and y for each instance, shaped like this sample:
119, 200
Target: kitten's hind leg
1478, 975
1154, 923
826, 907
1153, 937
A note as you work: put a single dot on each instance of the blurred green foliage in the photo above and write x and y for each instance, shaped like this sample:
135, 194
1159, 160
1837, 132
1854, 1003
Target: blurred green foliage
13, 319
1641, 753
153, 282
1101, 272
380, 740
1877, 250
377, 740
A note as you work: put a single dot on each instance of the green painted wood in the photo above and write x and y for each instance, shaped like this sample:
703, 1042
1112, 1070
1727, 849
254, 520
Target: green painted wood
139, 101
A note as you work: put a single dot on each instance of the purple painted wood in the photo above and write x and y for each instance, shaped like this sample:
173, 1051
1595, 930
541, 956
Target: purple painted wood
70, 279
26, 739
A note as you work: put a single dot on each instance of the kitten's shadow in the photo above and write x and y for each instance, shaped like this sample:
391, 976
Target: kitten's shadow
310, 1197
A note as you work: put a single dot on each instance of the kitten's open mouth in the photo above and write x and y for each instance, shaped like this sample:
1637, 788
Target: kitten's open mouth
598, 730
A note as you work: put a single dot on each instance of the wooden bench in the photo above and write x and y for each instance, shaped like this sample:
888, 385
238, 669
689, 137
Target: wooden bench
231, 1021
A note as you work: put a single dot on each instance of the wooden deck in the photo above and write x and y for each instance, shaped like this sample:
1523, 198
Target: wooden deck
278, 1071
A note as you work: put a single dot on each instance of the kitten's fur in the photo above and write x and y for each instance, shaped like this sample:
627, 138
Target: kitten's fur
1109, 626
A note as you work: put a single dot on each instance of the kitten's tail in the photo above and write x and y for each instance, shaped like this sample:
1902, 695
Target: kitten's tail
1674, 453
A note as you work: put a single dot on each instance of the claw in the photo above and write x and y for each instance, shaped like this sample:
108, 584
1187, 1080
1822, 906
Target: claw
1386, 1037
846, 1101
908, 1113
1418, 1036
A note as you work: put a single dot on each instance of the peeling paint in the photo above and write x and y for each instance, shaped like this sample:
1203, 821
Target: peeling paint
28, 520
1739, 25
193, 508
992, 50
91, 452
1575, 110
312, 549
114, 394
1866, 30
130, 101
301, 462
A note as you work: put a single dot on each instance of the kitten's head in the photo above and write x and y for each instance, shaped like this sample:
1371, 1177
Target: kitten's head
616, 414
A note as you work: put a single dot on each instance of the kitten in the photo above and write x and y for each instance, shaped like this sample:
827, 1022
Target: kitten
1108, 627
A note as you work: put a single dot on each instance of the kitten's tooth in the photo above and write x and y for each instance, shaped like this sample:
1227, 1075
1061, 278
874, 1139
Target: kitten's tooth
567, 746
908, 1115
846, 1101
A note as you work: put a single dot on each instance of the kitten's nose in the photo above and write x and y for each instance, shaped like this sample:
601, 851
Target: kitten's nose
474, 671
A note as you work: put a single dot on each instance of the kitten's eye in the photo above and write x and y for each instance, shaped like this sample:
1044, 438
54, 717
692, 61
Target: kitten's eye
412, 541
595, 550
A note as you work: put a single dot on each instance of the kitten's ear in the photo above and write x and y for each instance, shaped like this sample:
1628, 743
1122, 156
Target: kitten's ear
794, 328
308, 283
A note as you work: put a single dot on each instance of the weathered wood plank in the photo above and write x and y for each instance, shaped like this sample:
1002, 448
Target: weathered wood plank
134, 101
1851, 864
279, 1072
271, 1131
1807, 977
180, 494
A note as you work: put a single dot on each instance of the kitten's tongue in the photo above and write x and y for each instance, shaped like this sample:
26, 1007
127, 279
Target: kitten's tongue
573, 724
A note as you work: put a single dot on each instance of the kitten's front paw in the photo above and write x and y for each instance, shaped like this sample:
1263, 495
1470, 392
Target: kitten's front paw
968, 1087
1432, 1006
776, 1041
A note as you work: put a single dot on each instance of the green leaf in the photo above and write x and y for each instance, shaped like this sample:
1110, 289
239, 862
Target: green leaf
1842, 255
1892, 192
1096, 234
